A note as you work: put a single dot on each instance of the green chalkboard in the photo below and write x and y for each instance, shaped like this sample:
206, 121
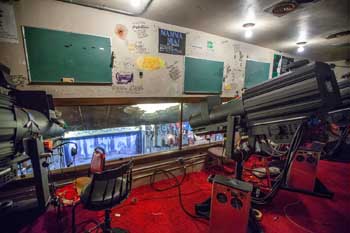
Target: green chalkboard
203, 76
53, 55
256, 73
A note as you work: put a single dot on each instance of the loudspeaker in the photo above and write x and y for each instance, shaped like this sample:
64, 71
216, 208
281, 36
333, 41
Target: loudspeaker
230, 205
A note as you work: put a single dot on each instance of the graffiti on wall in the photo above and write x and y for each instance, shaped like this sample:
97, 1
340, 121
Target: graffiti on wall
150, 63
141, 29
174, 70
121, 31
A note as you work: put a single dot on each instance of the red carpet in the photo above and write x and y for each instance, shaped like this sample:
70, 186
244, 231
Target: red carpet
156, 212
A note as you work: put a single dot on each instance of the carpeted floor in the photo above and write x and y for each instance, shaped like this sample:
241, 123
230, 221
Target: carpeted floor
156, 212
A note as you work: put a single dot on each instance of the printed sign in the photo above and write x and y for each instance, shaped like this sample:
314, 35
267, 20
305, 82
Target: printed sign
172, 42
210, 44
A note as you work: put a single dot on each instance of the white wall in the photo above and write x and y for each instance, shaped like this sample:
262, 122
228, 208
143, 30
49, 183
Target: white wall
68, 17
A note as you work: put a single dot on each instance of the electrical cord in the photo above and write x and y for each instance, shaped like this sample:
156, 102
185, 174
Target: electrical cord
65, 143
342, 138
176, 185
291, 220
280, 179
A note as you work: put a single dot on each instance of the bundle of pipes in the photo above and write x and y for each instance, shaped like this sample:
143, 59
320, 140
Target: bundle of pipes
275, 107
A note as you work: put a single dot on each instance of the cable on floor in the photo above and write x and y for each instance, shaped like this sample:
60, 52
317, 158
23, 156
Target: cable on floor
177, 185
291, 220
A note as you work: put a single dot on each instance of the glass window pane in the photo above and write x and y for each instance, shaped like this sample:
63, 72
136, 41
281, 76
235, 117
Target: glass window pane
188, 137
122, 130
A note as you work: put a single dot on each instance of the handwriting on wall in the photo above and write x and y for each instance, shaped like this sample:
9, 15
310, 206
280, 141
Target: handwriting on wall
141, 29
174, 71
131, 90
126, 65
150, 63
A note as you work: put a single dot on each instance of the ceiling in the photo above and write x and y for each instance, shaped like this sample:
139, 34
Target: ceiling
311, 22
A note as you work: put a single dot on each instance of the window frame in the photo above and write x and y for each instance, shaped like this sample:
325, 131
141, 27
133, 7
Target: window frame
66, 102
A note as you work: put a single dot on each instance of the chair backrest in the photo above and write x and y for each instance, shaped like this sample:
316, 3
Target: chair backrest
98, 161
108, 188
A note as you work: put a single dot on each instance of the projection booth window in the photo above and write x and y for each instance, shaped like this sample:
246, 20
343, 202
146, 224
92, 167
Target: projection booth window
188, 136
122, 130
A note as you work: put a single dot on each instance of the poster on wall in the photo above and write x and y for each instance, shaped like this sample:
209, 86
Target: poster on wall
172, 42
8, 29
280, 64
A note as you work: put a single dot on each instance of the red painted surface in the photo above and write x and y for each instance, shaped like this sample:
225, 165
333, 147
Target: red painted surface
156, 212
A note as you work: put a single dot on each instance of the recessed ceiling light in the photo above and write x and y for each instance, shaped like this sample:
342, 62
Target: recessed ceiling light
248, 34
300, 49
301, 46
248, 27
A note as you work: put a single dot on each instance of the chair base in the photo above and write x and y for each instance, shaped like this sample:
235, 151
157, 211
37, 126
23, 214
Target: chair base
111, 230
117, 230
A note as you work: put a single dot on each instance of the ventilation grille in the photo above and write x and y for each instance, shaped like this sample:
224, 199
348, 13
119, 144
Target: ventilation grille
285, 7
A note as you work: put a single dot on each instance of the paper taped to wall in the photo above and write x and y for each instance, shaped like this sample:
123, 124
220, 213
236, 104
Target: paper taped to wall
8, 29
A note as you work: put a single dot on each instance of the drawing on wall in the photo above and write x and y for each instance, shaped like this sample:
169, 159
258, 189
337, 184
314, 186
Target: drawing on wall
121, 31
280, 64
237, 75
124, 78
150, 63
227, 72
172, 42
228, 78
174, 71
8, 29
141, 29
228, 87
126, 65
239, 58
19, 80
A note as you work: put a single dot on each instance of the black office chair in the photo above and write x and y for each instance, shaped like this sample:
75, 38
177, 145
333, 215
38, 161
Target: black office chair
106, 190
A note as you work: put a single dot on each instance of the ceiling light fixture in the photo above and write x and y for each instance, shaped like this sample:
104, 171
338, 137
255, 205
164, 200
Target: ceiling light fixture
248, 30
135, 3
301, 46
248, 34
300, 49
